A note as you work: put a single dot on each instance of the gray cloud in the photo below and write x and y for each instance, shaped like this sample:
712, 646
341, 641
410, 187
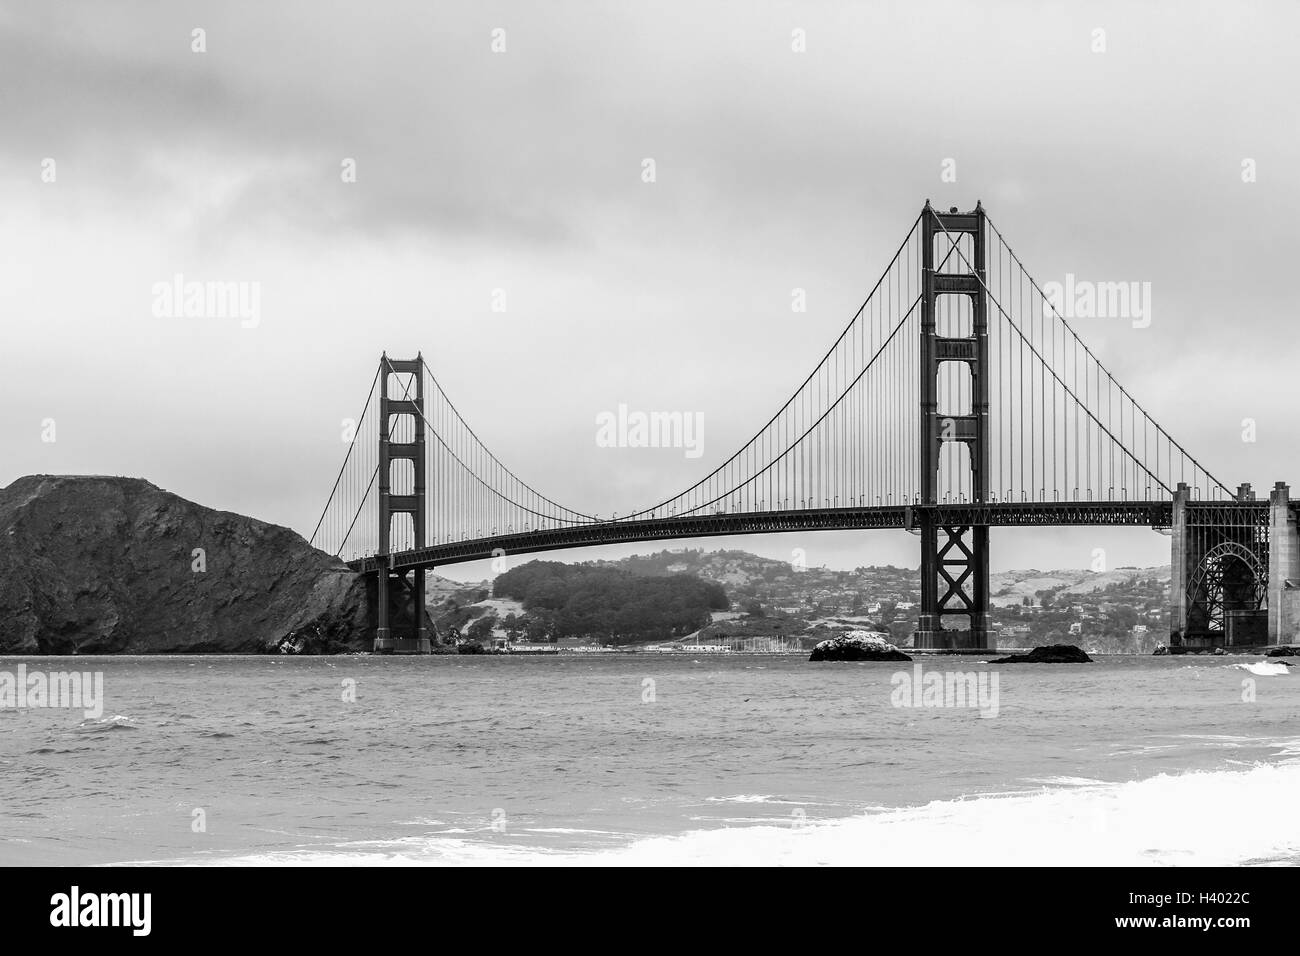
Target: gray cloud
521, 170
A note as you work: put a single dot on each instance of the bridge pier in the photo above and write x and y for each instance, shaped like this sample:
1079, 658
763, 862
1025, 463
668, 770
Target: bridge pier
1180, 566
1283, 569
417, 639
961, 572
418, 607
381, 609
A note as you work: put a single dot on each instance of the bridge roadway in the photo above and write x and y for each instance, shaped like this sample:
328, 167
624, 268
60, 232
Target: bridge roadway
1152, 514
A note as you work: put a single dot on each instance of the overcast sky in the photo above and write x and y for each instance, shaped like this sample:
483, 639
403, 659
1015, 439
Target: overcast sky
521, 170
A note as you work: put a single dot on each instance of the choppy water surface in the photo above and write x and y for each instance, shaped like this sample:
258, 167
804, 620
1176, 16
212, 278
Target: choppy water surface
736, 759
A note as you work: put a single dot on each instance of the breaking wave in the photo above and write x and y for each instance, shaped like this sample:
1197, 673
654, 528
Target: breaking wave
1169, 819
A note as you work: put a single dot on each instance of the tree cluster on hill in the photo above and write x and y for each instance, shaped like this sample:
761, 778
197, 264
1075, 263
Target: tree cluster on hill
616, 606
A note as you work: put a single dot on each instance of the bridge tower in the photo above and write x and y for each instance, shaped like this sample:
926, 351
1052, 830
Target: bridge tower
954, 558
407, 407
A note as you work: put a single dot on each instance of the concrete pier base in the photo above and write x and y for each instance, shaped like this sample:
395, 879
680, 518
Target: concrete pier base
402, 645
952, 641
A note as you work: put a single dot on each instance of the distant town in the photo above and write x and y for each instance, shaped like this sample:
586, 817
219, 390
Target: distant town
781, 607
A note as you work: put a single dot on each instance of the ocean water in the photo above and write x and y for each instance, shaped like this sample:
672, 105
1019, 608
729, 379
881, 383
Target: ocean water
651, 759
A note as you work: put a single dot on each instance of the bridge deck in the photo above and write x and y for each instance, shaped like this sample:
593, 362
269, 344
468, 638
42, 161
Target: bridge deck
1152, 514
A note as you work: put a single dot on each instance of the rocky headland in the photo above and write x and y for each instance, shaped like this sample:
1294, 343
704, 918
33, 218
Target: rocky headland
107, 565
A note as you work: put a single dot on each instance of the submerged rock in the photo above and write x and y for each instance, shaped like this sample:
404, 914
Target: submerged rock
1055, 654
103, 565
857, 646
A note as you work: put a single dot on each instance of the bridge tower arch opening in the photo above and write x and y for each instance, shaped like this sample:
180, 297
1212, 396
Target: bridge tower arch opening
1228, 592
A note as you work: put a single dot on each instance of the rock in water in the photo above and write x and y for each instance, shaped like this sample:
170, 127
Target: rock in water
1283, 652
857, 646
1055, 654
101, 565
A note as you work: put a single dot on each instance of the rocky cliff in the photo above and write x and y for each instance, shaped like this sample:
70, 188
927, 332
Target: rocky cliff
100, 565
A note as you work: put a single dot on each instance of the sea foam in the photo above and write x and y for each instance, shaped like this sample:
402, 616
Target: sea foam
1159, 821
1264, 668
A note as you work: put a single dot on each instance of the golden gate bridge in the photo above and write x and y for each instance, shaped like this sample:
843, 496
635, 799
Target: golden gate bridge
956, 399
